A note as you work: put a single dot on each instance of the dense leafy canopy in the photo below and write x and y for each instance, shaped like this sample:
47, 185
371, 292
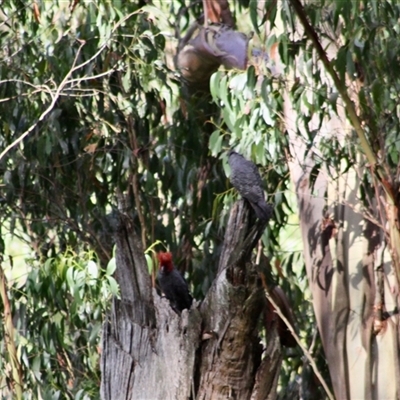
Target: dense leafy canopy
60, 310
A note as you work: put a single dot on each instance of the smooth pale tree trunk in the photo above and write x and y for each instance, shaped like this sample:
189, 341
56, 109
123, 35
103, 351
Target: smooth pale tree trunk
212, 351
353, 284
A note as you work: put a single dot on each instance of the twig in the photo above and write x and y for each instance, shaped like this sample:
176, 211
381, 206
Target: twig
303, 348
49, 108
65, 82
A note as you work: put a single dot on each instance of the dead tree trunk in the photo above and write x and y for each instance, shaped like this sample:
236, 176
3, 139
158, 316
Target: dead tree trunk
150, 352
231, 311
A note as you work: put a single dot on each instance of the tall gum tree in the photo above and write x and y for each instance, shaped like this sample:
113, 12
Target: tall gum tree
346, 181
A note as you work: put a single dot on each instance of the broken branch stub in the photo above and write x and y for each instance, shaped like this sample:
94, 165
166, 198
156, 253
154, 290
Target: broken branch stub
204, 49
148, 351
232, 356
218, 11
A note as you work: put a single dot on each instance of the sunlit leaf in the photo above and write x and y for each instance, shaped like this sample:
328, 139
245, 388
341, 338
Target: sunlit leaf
215, 143
113, 286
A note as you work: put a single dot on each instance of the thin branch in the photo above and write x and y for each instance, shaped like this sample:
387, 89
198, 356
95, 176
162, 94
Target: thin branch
27, 94
64, 82
303, 348
49, 108
23, 82
88, 78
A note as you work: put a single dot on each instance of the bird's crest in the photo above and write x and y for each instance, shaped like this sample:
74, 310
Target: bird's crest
165, 260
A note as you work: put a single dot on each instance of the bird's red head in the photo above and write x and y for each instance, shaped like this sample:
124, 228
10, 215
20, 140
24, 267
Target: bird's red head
165, 260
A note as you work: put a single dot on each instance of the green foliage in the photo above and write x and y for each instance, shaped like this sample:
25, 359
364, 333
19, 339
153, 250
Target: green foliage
364, 33
115, 125
89, 94
117, 120
250, 107
120, 122
59, 311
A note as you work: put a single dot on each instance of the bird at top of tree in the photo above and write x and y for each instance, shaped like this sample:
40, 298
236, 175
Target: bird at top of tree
247, 180
172, 283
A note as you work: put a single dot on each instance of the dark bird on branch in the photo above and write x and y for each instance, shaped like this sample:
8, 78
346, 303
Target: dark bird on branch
247, 180
173, 284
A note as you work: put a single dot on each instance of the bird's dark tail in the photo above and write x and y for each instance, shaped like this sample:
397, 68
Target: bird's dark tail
263, 210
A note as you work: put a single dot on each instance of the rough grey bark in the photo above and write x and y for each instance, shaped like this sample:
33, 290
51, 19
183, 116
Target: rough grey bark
230, 359
150, 352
